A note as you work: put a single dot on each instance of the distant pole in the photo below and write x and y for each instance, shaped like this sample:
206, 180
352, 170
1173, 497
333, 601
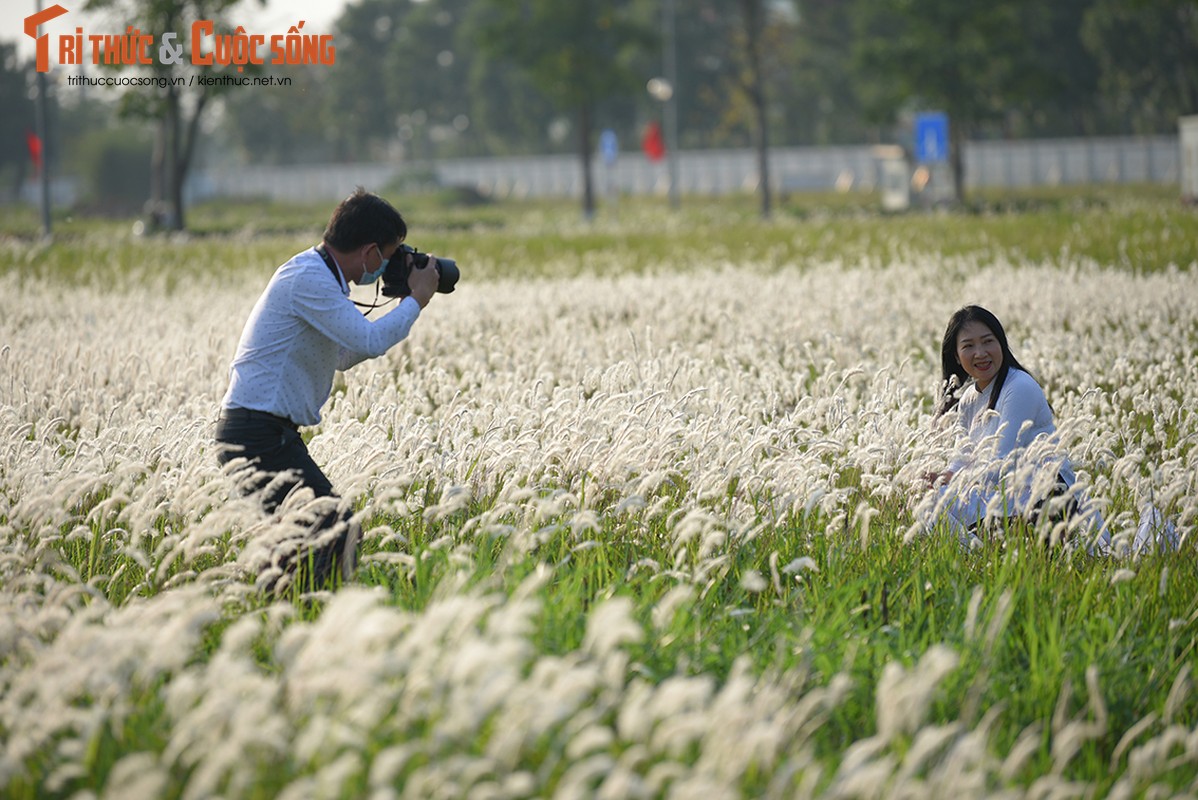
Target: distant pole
671, 116
42, 125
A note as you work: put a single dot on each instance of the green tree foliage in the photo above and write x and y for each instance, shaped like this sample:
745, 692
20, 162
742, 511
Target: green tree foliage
416, 80
1053, 86
1023, 67
431, 71
114, 167
819, 100
508, 113
1147, 56
419, 80
577, 54
738, 69
942, 54
18, 118
735, 61
290, 125
364, 76
175, 112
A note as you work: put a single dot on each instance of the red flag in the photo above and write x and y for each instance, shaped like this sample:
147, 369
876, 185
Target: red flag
35, 148
651, 142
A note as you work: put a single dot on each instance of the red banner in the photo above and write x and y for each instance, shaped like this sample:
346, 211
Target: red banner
35, 148
651, 142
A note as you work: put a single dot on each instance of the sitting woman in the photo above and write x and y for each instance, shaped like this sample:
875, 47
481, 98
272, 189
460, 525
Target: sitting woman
1007, 463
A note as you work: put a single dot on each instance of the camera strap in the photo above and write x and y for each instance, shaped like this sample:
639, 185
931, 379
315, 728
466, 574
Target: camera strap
337, 276
328, 262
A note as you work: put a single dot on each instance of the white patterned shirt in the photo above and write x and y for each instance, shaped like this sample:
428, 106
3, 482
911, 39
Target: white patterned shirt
301, 331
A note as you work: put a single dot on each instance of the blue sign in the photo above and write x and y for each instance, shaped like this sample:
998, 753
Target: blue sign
609, 147
931, 137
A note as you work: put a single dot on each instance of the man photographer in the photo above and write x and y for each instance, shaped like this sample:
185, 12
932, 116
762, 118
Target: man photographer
301, 331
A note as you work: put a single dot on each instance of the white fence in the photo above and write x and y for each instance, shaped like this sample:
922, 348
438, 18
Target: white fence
1013, 164
1153, 159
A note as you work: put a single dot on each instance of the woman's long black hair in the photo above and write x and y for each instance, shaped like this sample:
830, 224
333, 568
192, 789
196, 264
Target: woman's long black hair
954, 375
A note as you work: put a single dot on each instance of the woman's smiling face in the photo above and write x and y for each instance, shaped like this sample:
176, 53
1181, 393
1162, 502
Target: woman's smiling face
979, 352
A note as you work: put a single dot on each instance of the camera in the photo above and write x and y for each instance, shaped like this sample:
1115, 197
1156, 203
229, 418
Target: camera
404, 260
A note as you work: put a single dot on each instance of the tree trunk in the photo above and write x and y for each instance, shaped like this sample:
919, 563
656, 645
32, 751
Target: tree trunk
173, 196
756, 91
584, 153
183, 158
957, 148
763, 157
158, 177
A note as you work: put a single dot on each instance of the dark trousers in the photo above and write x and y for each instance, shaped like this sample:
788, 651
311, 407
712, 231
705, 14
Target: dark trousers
276, 462
1061, 512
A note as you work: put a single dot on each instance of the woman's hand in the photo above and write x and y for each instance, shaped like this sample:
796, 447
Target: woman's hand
934, 479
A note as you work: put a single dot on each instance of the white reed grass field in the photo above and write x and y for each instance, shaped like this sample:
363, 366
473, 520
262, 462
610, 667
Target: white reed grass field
709, 405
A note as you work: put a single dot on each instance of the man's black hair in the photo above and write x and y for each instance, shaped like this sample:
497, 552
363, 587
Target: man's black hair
364, 218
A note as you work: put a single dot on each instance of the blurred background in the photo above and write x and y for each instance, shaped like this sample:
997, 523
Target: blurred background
917, 101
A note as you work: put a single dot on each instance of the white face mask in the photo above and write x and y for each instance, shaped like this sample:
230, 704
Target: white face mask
371, 277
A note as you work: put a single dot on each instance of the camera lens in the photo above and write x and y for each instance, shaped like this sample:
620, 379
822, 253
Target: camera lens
447, 270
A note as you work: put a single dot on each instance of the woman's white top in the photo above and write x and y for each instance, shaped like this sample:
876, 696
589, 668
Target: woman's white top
1012, 448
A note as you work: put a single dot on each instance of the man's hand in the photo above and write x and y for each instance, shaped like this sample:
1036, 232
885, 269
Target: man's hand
423, 282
